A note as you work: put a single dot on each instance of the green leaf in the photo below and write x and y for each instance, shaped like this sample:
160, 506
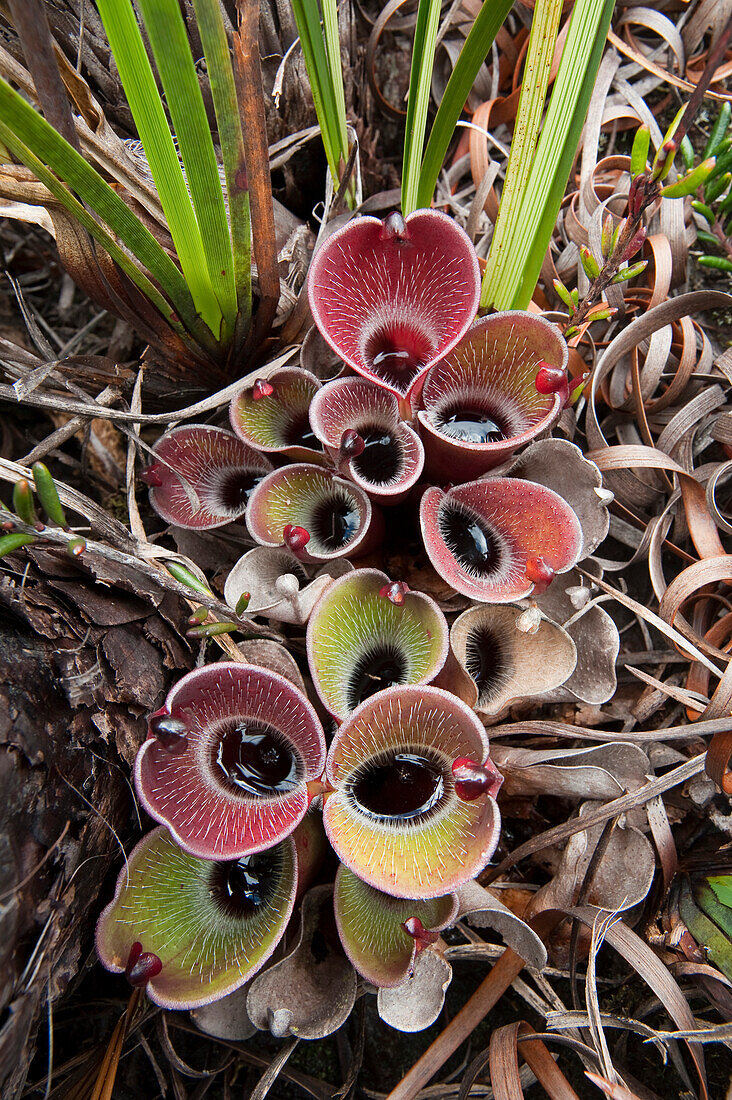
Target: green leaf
717, 187
719, 130
423, 59
333, 53
184, 576
722, 886
555, 152
706, 211
476, 48
322, 83
10, 543
228, 119
718, 263
691, 182
172, 53
639, 152
144, 99
544, 29
41, 146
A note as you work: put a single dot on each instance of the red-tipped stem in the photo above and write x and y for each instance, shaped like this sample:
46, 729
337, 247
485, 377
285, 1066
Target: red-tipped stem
472, 779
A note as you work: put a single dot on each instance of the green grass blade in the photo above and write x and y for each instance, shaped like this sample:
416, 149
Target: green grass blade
333, 53
66, 199
476, 48
41, 145
223, 89
556, 151
142, 95
423, 59
542, 40
172, 53
307, 17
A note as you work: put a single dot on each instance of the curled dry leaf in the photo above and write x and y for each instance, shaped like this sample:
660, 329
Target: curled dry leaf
482, 909
621, 879
599, 771
593, 631
226, 1019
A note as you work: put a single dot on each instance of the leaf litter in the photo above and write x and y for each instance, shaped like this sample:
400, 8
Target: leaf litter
655, 419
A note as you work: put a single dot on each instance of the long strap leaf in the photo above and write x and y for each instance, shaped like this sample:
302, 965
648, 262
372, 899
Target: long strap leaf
172, 53
142, 95
423, 58
476, 48
533, 224
307, 17
560, 138
40, 146
223, 89
542, 40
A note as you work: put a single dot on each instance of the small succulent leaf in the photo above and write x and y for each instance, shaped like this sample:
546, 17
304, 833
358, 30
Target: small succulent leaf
370, 924
706, 211
203, 476
639, 151
417, 1002
212, 925
360, 642
394, 818
276, 420
715, 188
691, 182
335, 513
563, 293
718, 131
687, 152
253, 743
310, 992
479, 536
392, 304
589, 263
480, 908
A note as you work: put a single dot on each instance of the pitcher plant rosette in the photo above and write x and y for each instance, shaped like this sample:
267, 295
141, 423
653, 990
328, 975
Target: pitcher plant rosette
441, 437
